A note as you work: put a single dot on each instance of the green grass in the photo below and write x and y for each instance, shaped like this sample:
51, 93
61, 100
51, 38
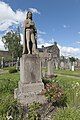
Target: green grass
71, 86
68, 72
8, 68
8, 82
67, 114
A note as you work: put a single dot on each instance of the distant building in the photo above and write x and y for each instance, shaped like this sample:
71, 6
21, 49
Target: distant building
51, 52
4, 54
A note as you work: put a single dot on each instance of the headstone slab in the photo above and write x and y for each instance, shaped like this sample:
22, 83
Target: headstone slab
30, 85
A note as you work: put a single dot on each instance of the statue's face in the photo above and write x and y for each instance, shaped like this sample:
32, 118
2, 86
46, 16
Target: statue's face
29, 15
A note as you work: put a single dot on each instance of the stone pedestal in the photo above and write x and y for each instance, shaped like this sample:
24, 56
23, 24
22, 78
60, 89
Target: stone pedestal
30, 69
30, 84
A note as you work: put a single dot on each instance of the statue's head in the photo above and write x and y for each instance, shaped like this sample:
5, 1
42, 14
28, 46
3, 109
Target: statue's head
29, 15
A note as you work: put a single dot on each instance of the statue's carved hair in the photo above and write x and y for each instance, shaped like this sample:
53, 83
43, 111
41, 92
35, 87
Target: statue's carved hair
28, 13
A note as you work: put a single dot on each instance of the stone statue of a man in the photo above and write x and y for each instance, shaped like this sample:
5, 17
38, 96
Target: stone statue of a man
30, 43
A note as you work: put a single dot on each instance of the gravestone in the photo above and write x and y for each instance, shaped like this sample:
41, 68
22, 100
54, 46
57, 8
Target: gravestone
2, 63
30, 85
72, 67
17, 64
50, 67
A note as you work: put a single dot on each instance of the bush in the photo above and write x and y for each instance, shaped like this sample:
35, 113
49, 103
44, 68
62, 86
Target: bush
45, 81
56, 94
12, 70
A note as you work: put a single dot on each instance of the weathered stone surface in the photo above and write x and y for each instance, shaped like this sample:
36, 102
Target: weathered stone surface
50, 68
29, 93
30, 84
33, 87
30, 69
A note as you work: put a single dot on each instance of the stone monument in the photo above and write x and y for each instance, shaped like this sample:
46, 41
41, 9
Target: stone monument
50, 66
2, 63
30, 85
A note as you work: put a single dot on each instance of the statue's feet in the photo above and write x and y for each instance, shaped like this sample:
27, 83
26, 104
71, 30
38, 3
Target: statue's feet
29, 52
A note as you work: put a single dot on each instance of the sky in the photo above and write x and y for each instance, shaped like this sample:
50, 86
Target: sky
56, 20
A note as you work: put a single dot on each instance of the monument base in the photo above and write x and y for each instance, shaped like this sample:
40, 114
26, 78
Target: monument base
30, 85
29, 93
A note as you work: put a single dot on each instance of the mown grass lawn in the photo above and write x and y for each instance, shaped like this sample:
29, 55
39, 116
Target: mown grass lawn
68, 72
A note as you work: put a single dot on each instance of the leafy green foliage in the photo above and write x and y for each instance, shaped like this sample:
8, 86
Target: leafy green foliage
12, 41
72, 59
45, 81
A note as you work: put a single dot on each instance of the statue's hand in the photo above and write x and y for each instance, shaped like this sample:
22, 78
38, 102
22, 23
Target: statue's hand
28, 25
32, 23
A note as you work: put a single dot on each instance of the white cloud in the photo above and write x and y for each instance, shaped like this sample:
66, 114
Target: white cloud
1, 45
79, 32
8, 17
78, 42
41, 32
41, 42
66, 26
6, 24
52, 41
34, 10
69, 51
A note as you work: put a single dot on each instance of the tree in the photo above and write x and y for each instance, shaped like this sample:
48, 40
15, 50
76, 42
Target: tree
72, 59
12, 42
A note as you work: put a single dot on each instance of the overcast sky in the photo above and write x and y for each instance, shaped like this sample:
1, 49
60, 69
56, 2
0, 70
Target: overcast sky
56, 20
